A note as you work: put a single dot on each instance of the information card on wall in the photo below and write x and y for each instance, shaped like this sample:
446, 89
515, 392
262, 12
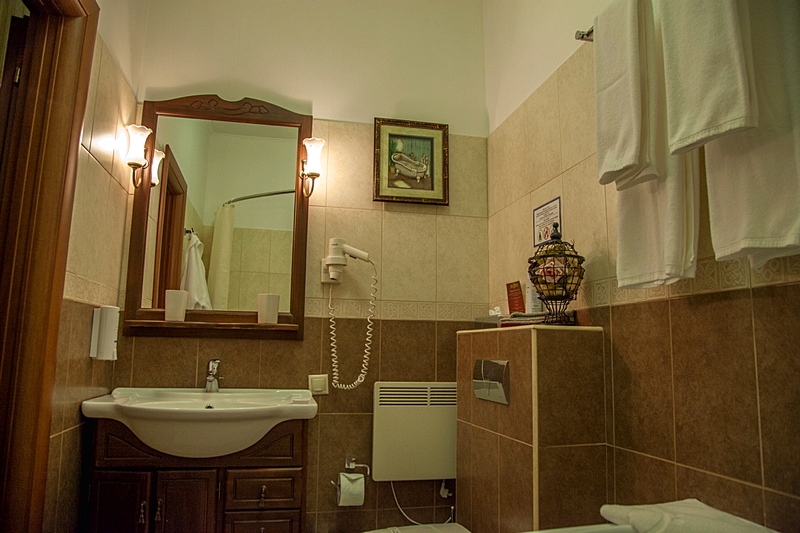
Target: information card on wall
544, 217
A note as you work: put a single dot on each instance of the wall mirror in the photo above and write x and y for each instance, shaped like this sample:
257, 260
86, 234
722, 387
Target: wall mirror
231, 178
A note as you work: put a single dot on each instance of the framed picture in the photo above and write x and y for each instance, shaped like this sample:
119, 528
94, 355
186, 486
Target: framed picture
411, 162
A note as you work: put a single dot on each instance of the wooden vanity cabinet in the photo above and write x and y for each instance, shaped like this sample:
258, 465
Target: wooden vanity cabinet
136, 489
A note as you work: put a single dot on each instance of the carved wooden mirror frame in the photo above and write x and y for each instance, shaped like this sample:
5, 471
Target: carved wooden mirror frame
231, 324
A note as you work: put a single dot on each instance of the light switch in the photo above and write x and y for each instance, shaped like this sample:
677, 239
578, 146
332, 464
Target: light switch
318, 384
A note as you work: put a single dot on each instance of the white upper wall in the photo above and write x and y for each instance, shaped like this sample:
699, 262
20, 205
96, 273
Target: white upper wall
344, 60
525, 42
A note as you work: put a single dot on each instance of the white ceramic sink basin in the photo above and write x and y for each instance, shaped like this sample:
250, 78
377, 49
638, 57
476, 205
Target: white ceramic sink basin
195, 423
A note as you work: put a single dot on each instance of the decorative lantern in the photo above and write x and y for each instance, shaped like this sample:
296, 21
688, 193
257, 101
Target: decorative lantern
556, 273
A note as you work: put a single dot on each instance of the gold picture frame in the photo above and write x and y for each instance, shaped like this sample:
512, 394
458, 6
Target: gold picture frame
411, 162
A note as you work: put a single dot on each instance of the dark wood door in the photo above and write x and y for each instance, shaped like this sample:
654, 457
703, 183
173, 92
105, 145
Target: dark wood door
120, 502
186, 501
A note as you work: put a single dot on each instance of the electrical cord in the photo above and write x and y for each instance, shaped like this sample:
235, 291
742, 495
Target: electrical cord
367, 345
408, 517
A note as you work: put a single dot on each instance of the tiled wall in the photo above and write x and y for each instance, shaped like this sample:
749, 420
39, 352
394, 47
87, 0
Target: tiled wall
261, 262
401, 350
430, 285
705, 383
97, 254
540, 461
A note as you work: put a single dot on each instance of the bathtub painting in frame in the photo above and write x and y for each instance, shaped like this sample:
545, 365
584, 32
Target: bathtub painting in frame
411, 162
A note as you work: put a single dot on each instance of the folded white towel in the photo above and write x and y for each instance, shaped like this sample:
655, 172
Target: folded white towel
625, 93
754, 176
709, 70
193, 276
685, 516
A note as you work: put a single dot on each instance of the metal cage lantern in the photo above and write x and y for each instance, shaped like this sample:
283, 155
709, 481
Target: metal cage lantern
556, 272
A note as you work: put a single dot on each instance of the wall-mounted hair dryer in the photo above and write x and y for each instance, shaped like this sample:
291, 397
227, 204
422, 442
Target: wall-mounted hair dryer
333, 265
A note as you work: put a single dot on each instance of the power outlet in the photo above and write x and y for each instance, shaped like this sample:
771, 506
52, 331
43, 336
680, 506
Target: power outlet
318, 384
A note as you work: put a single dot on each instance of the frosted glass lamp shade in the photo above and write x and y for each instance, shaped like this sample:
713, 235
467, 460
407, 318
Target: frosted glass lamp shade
313, 153
137, 135
155, 172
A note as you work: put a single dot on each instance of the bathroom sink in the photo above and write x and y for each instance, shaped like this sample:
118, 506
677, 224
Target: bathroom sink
195, 423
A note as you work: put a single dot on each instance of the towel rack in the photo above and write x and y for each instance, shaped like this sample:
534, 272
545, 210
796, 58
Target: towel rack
587, 35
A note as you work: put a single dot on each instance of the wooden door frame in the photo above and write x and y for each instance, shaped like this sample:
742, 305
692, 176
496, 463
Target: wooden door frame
42, 165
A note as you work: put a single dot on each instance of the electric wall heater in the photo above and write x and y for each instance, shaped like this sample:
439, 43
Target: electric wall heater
414, 431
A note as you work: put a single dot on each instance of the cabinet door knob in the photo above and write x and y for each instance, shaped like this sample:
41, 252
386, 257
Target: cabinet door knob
262, 530
142, 512
263, 501
159, 504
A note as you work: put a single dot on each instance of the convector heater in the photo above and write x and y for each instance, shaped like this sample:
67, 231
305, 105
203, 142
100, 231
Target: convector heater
414, 431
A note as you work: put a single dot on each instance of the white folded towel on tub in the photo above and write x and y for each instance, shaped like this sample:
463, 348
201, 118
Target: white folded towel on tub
708, 68
684, 516
625, 94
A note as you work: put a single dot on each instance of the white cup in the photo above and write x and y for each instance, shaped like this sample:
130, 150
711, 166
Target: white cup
268, 308
175, 305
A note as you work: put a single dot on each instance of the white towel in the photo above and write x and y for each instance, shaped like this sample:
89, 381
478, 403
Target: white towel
684, 516
754, 176
709, 70
658, 228
193, 276
625, 96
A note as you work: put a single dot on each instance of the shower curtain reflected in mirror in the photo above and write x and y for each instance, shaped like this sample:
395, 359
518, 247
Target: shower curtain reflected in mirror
219, 270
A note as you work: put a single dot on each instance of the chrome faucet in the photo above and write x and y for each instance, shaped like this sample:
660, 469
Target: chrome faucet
212, 376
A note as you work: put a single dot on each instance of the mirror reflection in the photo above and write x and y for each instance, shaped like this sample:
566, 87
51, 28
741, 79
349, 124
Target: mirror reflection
238, 183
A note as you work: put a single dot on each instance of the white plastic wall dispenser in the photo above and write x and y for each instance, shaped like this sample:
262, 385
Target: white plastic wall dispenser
414, 431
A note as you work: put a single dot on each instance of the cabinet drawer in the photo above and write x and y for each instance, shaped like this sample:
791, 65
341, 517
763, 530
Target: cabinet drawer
263, 522
264, 488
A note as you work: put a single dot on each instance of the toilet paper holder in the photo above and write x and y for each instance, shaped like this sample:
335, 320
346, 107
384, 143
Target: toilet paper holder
350, 464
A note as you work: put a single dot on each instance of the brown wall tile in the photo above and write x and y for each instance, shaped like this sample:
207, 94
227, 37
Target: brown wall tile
446, 348
601, 317
394, 518
515, 486
287, 364
347, 521
408, 350
640, 479
69, 486
60, 390
79, 373
571, 387
515, 420
239, 362
485, 497
610, 474
572, 485
343, 436
776, 310
51, 489
464, 474
738, 499
485, 345
409, 494
782, 512
123, 366
643, 410
464, 374
716, 416
164, 362
350, 337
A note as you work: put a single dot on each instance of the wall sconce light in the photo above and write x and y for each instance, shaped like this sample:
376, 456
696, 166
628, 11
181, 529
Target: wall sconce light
155, 172
137, 136
312, 164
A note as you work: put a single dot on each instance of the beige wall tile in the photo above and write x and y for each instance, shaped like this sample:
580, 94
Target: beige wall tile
280, 260
233, 290
281, 284
315, 250
584, 212
236, 249
255, 250
544, 134
576, 107
408, 266
462, 248
127, 115
361, 229
251, 284
496, 226
350, 166
517, 155
91, 99
106, 110
497, 179
519, 231
320, 129
468, 173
